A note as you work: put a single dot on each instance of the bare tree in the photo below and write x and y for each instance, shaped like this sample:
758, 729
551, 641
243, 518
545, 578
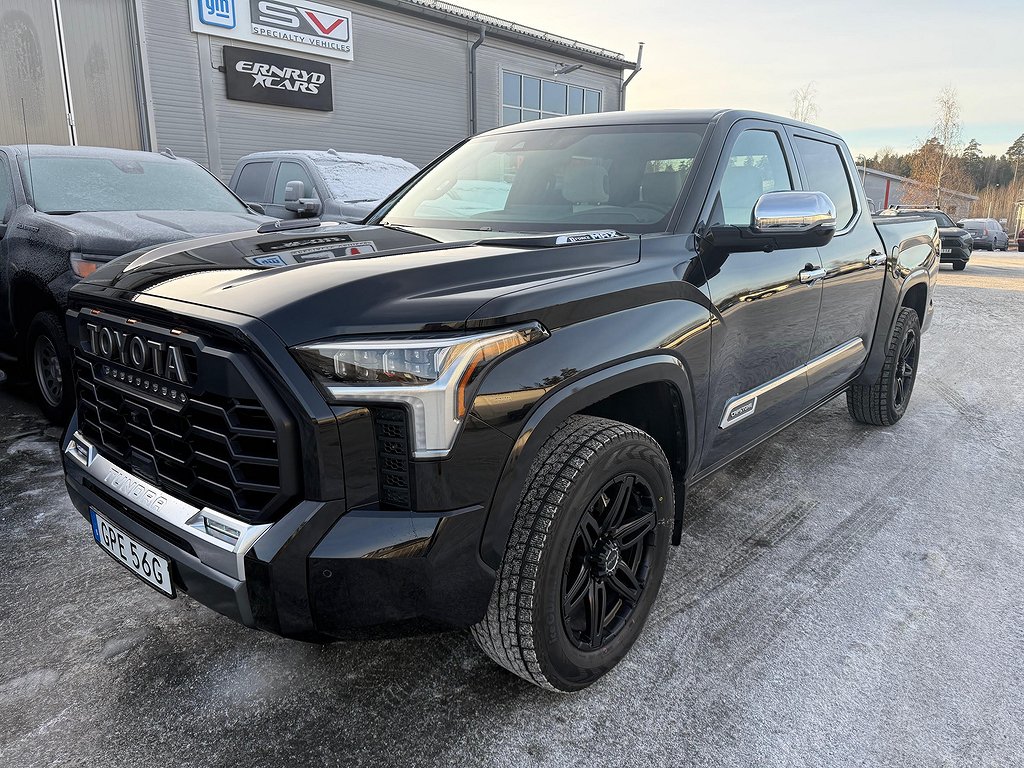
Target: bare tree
805, 103
937, 163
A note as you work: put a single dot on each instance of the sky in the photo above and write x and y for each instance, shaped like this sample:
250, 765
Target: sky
877, 67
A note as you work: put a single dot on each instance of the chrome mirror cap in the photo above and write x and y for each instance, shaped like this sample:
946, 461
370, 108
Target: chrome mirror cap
793, 213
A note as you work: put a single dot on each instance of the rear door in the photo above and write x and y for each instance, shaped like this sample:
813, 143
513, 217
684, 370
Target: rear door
252, 181
854, 264
768, 313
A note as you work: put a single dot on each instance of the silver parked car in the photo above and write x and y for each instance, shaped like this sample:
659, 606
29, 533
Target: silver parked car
343, 186
987, 234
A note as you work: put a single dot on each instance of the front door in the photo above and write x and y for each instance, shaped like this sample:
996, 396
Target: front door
855, 265
768, 309
288, 171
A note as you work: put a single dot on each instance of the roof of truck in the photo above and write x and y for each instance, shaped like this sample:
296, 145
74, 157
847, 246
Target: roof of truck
53, 150
658, 117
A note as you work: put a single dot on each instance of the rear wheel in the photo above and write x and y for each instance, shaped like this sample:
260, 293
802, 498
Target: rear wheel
49, 366
585, 556
959, 266
884, 402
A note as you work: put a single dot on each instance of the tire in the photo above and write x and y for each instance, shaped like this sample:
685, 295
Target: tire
583, 469
885, 402
959, 266
48, 364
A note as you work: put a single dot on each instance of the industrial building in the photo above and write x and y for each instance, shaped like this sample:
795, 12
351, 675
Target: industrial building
213, 80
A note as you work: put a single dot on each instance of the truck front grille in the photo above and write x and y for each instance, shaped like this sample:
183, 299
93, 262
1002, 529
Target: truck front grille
221, 450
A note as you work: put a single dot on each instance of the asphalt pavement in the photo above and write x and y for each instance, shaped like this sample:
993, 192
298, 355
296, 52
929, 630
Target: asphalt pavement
844, 595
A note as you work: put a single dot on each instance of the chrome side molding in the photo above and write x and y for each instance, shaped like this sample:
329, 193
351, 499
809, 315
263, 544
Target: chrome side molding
745, 405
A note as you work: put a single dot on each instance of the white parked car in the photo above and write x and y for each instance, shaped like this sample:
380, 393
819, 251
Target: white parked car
298, 183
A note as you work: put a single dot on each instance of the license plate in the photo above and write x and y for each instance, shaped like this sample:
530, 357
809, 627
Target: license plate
152, 567
947, 250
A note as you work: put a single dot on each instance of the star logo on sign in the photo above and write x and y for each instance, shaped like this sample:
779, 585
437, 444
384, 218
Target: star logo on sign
263, 81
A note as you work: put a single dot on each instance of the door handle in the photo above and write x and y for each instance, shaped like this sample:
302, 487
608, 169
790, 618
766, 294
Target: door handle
808, 276
876, 259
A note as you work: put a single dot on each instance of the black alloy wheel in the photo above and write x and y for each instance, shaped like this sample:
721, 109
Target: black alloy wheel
608, 562
905, 370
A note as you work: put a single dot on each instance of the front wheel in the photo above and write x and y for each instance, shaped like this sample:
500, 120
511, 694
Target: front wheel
884, 402
50, 367
585, 556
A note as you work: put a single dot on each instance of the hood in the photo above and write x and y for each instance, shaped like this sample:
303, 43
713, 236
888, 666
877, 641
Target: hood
113, 233
952, 232
314, 283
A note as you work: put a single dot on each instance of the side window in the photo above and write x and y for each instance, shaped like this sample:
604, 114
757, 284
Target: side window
6, 190
292, 172
826, 172
756, 164
252, 182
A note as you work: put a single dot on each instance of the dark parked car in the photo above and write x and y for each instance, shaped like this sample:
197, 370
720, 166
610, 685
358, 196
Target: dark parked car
74, 208
336, 186
987, 234
489, 418
957, 242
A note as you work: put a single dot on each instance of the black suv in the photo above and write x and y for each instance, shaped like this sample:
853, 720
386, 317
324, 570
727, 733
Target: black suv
66, 210
483, 409
957, 242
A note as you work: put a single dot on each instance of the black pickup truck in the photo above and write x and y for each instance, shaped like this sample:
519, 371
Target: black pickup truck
483, 408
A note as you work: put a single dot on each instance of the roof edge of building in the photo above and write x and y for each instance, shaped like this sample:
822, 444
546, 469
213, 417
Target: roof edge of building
464, 18
914, 182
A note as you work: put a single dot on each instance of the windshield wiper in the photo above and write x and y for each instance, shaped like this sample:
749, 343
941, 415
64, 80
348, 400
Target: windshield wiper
62, 213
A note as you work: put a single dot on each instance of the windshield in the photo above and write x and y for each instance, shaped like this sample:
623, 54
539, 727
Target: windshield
76, 184
626, 177
354, 178
940, 218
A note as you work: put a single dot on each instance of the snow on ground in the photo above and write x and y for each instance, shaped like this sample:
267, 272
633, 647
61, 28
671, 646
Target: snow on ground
843, 596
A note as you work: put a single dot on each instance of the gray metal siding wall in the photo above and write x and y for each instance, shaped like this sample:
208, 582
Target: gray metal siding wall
405, 94
497, 55
173, 66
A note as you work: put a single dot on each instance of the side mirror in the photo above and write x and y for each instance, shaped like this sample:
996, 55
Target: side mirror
257, 208
780, 220
960, 224
296, 203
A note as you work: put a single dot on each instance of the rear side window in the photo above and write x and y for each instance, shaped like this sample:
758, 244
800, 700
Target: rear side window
826, 172
252, 182
6, 190
292, 172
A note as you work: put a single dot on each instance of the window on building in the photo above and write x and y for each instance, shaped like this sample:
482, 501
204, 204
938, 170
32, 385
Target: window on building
252, 182
826, 172
292, 172
526, 98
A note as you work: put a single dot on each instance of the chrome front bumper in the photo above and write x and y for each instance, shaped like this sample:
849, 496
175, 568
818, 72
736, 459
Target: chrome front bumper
220, 542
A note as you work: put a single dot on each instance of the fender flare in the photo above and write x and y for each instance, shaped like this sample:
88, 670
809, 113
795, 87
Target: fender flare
888, 309
558, 406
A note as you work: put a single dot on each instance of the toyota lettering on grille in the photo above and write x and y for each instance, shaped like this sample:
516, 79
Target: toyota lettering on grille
147, 356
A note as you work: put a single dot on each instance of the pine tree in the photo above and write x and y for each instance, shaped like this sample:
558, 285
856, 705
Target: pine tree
974, 162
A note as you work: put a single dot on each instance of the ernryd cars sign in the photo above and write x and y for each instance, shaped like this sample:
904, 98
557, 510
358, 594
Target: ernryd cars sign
299, 25
271, 78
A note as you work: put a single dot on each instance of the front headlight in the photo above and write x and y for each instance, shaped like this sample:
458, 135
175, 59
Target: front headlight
84, 264
432, 375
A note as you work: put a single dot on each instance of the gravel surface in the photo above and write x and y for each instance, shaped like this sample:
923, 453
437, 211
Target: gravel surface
844, 595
